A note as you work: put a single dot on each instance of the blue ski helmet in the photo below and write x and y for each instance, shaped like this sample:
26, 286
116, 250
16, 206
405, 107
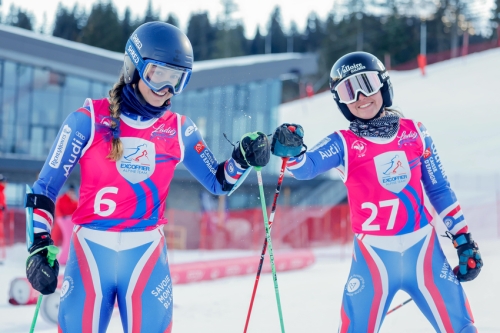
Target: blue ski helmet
161, 55
376, 78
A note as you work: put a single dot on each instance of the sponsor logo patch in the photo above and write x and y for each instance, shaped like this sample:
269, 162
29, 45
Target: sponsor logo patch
355, 285
231, 168
199, 147
448, 221
427, 153
163, 292
138, 161
62, 142
161, 132
190, 130
332, 150
320, 144
407, 138
393, 170
447, 273
67, 287
352, 69
75, 153
208, 159
360, 146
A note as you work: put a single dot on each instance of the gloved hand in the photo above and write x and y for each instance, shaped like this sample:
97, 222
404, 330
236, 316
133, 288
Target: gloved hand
287, 141
252, 150
469, 257
42, 275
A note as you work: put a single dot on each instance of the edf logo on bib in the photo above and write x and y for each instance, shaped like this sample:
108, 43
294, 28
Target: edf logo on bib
393, 170
138, 160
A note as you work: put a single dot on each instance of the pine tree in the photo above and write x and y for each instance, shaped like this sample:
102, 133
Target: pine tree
495, 18
150, 14
230, 37
103, 28
275, 39
314, 34
68, 24
296, 42
173, 20
127, 26
19, 18
202, 36
257, 43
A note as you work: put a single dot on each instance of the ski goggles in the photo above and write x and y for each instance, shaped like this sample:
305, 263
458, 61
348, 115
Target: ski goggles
367, 82
159, 75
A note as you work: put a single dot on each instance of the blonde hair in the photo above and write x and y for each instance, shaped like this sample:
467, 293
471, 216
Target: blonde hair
115, 98
399, 113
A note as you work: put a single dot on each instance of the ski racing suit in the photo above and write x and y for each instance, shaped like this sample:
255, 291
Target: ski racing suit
389, 185
118, 250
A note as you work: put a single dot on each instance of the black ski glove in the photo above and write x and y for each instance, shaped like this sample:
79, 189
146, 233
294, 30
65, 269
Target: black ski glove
42, 275
287, 141
469, 257
252, 150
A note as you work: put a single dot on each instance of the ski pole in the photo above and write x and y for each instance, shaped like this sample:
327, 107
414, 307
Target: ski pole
52, 252
270, 246
400, 305
471, 263
264, 247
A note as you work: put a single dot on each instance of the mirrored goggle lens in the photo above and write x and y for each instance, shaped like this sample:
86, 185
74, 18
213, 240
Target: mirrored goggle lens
368, 83
159, 77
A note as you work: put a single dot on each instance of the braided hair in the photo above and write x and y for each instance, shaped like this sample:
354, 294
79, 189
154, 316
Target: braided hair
115, 98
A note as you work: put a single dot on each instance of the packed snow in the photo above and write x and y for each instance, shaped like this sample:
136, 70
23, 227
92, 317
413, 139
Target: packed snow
310, 298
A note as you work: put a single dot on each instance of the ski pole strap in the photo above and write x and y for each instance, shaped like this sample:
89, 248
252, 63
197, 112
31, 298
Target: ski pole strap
40, 201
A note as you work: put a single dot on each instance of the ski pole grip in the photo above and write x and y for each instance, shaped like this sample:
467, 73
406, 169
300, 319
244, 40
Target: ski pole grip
52, 252
471, 263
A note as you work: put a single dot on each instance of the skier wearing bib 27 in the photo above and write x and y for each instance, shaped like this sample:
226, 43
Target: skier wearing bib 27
387, 163
128, 146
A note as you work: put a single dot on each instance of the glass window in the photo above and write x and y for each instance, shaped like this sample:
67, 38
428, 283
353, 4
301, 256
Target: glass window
8, 107
47, 108
22, 107
99, 90
74, 93
2, 132
213, 110
14, 194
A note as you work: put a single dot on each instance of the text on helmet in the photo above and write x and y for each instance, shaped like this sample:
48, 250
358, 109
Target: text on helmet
137, 41
132, 53
352, 69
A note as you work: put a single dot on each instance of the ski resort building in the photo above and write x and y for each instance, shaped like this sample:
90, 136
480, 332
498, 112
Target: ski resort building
44, 78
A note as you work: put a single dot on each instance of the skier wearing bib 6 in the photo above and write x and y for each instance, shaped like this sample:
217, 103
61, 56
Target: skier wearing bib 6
128, 146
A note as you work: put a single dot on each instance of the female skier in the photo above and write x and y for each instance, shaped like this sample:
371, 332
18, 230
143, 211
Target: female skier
128, 146
387, 163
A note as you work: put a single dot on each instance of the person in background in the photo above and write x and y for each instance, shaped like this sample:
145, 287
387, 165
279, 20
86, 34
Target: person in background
3, 200
65, 206
128, 146
62, 228
390, 166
